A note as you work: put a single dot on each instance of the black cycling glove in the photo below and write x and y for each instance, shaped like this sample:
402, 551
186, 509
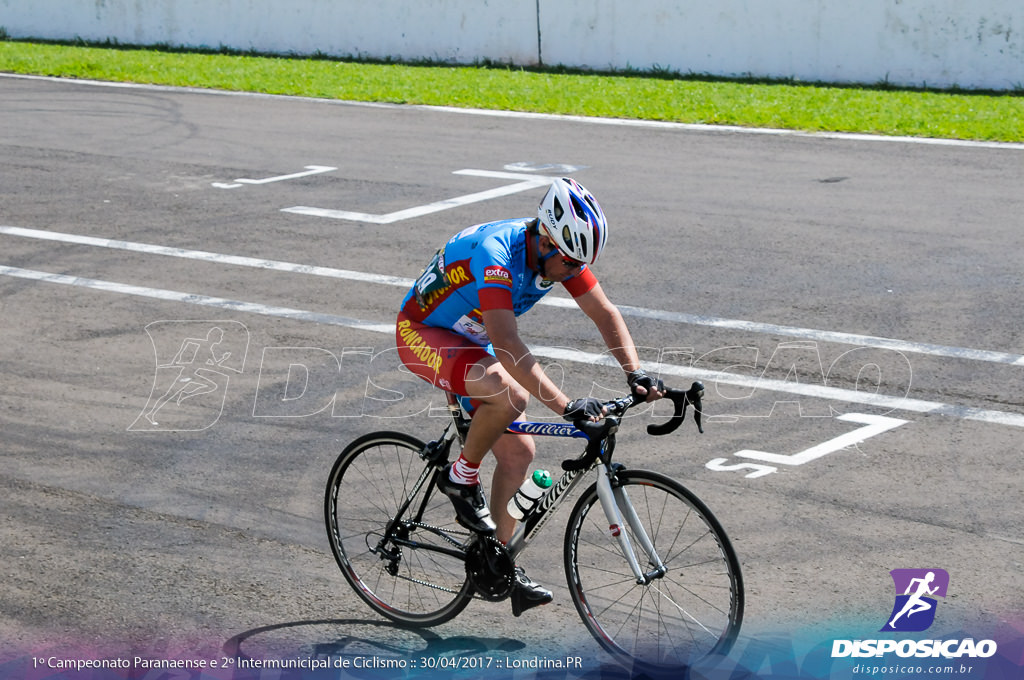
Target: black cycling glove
583, 408
639, 378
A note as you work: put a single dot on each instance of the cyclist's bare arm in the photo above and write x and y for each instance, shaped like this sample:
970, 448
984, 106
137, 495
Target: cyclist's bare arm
606, 316
516, 359
596, 305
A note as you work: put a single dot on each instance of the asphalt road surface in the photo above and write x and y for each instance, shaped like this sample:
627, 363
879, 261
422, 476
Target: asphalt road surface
853, 306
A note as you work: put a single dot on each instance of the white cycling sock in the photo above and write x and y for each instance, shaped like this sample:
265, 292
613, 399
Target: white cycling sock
464, 472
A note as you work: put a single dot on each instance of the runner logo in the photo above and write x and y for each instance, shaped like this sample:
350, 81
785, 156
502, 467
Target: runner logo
914, 609
194, 362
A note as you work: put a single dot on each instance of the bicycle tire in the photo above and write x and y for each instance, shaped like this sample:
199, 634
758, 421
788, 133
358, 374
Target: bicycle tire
368, 483
694, 611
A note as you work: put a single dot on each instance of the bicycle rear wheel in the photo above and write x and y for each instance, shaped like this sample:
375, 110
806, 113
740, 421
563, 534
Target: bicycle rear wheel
694, 610
396, 572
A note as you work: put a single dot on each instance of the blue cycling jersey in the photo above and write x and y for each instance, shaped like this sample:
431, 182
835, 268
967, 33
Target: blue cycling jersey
493, 255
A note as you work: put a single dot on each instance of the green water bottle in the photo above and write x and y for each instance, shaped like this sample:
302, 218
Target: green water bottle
529, 494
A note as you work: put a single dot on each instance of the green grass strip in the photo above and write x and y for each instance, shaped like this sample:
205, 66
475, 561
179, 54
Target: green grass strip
988, 116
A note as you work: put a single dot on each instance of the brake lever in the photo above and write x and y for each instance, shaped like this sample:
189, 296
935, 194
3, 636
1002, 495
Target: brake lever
696, 397
681, 399
596, 433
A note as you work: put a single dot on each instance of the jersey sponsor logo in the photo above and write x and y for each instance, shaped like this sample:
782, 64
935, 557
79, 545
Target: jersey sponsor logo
419, 347
498, 275
457, 275
434, 286
472, 328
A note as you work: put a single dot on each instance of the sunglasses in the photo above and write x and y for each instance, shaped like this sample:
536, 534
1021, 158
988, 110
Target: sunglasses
571, 263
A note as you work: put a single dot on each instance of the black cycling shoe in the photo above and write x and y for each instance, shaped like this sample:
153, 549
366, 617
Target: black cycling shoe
527, 593
471, 509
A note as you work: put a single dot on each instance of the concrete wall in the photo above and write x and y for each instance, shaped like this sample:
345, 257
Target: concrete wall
939, 43
460, 31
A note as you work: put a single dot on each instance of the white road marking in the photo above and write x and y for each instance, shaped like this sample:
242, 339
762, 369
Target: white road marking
654, 314
205, 256
700, 127
310, 170
873, 426
807, 390
195, 299
620, 122
524, 183
907, 346
555, 353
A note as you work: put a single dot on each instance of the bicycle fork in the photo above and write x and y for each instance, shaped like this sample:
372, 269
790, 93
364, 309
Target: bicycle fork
619, 511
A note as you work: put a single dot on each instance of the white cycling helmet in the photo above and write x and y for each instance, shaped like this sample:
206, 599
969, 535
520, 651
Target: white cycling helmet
573, 220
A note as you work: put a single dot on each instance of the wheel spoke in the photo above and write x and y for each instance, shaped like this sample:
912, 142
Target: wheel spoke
693, 609
370, 482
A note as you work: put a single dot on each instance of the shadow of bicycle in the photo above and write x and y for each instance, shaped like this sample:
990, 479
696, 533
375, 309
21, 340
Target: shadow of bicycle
368, 649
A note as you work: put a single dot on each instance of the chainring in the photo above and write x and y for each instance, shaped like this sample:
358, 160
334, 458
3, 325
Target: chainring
490, 568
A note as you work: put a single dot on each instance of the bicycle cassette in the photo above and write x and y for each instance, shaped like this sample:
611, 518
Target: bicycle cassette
490, 568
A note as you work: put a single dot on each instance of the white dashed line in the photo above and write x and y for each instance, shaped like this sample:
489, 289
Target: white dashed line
556, 353
654, 314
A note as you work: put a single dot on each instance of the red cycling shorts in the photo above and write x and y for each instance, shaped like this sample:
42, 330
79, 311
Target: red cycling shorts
438, 355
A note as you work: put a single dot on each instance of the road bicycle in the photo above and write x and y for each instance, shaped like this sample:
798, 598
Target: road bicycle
649, 567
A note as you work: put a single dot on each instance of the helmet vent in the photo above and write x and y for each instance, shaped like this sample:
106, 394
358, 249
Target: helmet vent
559, 211
580, 211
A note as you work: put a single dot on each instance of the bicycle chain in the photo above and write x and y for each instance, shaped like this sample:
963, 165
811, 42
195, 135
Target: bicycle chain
446, 534
489, 566
428, 584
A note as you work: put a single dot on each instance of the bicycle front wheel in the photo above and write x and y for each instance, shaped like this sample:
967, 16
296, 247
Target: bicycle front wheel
403, 566
692, 610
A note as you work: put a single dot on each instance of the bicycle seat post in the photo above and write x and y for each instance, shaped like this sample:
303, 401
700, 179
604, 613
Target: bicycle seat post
458, 414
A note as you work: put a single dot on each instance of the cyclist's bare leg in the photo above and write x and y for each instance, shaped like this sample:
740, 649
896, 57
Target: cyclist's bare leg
514, 454
501, 399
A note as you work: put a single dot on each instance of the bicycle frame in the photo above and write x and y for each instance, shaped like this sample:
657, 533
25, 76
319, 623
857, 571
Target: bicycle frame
614, 501
404, 554
617, 509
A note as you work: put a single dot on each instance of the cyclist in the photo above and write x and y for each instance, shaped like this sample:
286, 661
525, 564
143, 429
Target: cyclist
457, 330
